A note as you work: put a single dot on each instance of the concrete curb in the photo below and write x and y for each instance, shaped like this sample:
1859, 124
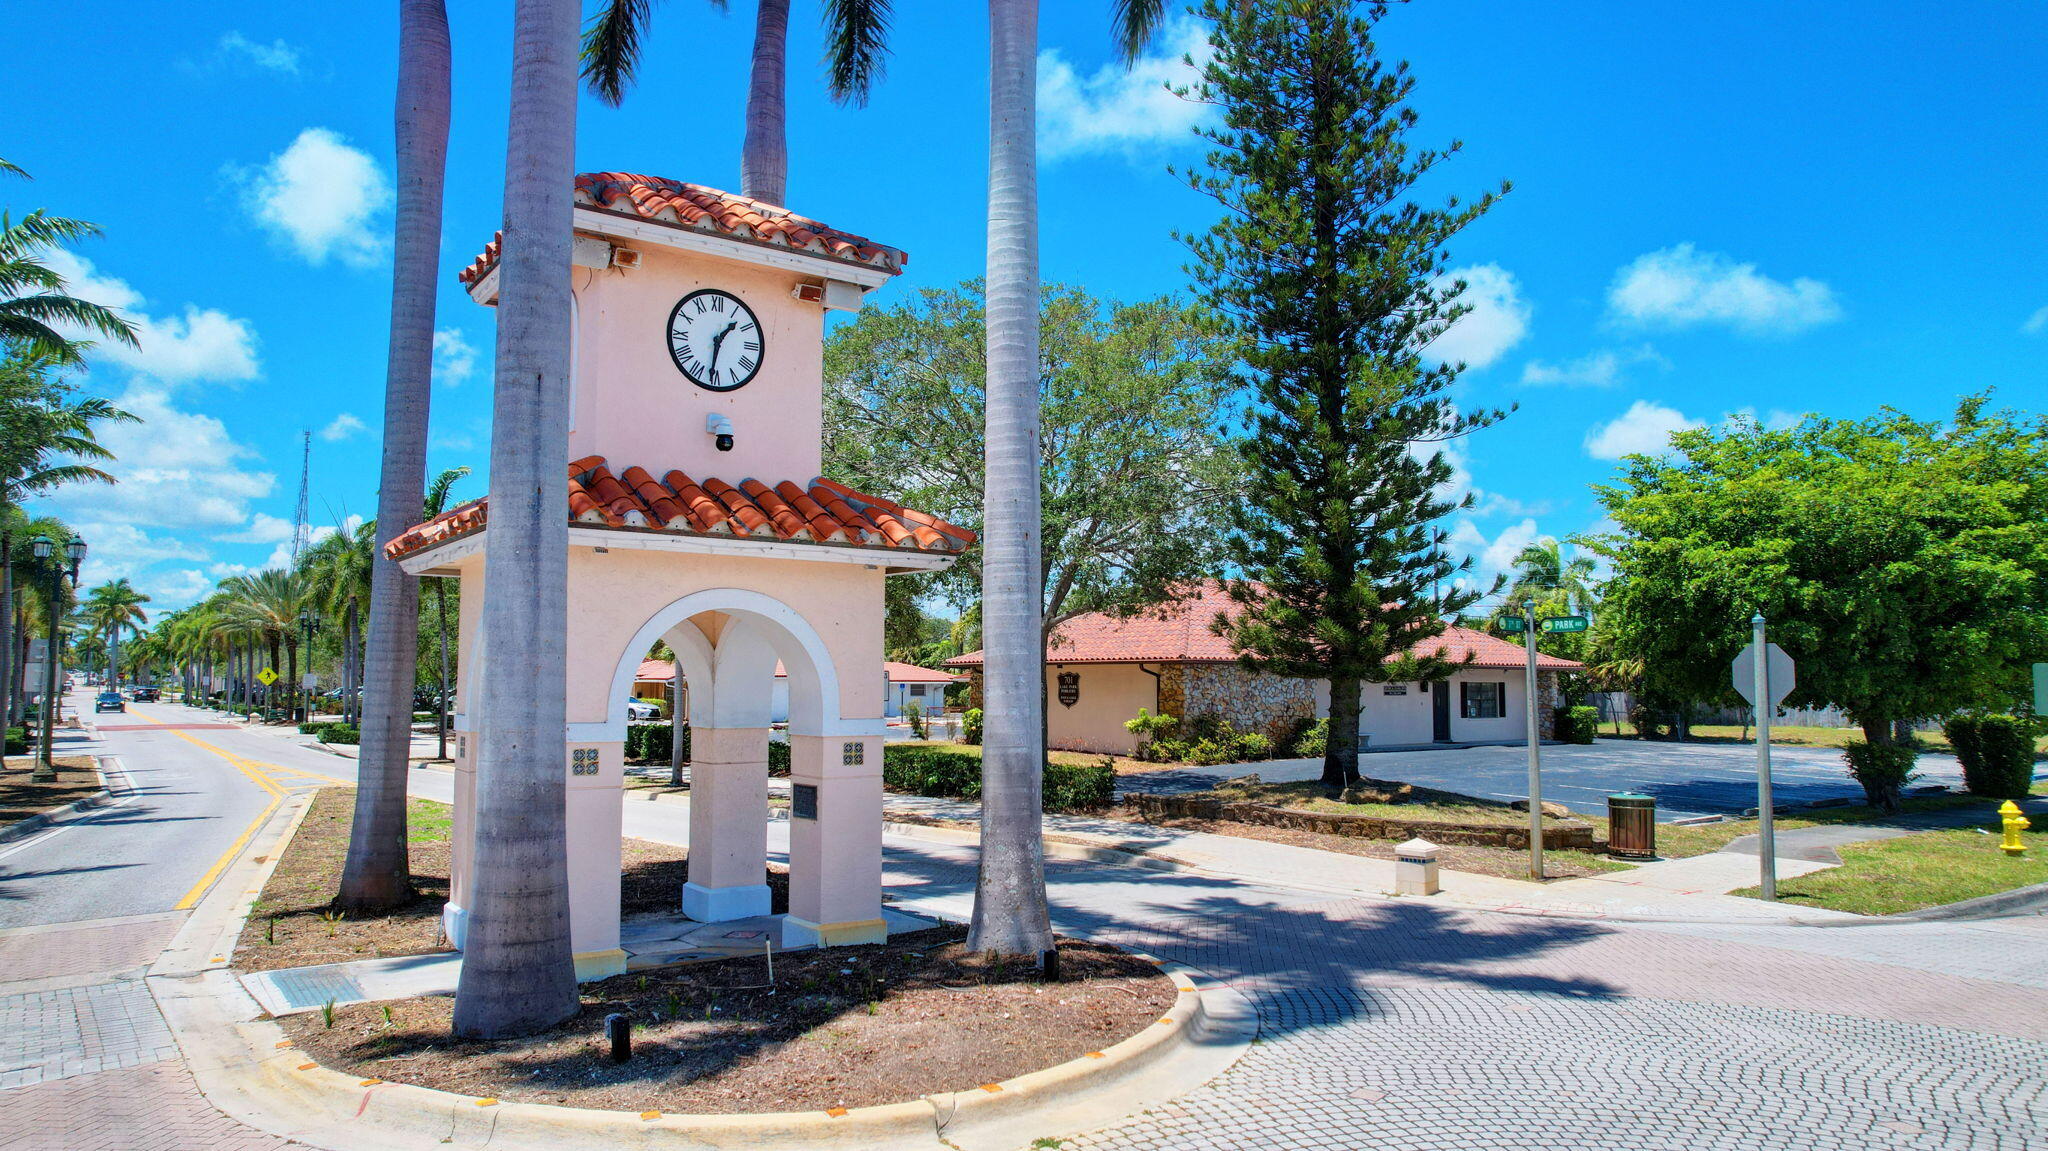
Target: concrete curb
247, 1068
1999, 904
22, 829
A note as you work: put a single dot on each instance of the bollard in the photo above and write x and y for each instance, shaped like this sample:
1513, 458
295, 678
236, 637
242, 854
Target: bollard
618, 1031
1415, 868
2009, 814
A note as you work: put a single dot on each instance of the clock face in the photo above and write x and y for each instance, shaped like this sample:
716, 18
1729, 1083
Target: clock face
715, 340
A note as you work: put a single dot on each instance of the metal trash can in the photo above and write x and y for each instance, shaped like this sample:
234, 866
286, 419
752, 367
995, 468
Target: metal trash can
1632, 826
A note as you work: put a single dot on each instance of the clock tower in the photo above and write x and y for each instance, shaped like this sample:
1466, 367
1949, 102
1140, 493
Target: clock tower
700, 521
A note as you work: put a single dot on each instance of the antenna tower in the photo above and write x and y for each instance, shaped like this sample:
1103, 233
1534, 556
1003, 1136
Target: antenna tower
302, 519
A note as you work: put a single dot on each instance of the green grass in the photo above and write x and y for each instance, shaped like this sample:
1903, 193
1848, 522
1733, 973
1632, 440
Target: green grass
1675, 841
1888, 876
428, 821
1069, 758
1789, 735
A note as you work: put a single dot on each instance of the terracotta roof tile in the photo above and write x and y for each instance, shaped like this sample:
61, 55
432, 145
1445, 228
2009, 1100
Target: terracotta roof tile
708, 209
825, 512
1180, 634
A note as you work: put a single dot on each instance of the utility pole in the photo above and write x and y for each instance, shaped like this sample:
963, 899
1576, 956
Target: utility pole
1535, 750
302, 519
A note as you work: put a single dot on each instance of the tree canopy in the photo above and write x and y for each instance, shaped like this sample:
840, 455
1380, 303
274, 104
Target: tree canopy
1133, 469
1902, 562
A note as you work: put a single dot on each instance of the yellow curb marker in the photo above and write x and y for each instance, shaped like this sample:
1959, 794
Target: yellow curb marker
369, 1082
836, 1112
650, 1116
307, 1066
487, 1103
991, 1088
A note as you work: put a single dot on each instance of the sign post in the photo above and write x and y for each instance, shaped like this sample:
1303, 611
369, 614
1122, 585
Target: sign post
1529, 693
1764, 682
2041, 689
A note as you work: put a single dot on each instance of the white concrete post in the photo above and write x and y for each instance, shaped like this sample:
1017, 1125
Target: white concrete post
594, 817
1415, 868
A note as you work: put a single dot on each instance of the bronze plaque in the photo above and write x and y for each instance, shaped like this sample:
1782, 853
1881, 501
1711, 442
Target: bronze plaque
1070, 688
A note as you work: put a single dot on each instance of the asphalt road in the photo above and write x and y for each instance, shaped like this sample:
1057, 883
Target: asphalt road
182, 806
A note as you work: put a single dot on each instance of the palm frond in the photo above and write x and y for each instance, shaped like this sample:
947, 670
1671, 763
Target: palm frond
12, 169
856, 47
54, 308
1132, 23
611, 47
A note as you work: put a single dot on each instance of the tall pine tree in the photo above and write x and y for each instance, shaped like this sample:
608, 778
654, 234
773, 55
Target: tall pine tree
1334, 280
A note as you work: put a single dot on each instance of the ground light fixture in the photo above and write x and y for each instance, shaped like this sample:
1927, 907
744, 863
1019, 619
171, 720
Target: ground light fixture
42, 547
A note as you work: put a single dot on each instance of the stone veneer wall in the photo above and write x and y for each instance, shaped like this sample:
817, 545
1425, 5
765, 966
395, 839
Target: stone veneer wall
1270, 704
1548, 699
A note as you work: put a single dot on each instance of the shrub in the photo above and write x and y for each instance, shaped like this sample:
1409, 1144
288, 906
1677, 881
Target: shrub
1648, 722
970, 726
17, 741
1997, 754
778, 754
933, 771
1577, 724
1313, 742
1076, 787
312, 727
1208, 740
339, 733
913, 714
653, 742
1882, 768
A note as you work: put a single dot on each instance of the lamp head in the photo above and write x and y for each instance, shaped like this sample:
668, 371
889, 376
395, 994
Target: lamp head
41, 546
76, 550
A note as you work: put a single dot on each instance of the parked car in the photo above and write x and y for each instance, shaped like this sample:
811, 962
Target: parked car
639, 709
143, 693
109, 701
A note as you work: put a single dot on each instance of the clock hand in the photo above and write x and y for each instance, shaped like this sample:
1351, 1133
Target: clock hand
715, 342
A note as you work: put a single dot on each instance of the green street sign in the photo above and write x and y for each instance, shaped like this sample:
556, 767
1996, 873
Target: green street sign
2041, 689
1567, 623
1512, 623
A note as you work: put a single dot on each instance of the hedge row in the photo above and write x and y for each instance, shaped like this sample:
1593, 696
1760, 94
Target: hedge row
650, 743
1997, 754
17, 741
333, 732
936, 771
1577, 724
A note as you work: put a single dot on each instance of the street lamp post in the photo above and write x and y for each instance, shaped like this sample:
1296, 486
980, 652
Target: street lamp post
42, 547
309, 623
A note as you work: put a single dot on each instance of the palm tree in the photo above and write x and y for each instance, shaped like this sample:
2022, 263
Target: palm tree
339, 568
265, 607
376, 874
1010, 913
518, 974
856, 32
46, 440
110, 609
436, 503
25, 618
1541, 567
33, 301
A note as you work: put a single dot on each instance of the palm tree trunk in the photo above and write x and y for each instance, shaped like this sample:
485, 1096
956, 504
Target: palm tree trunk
518, 974
764, 156
349, 698
293, 693
6, 635
377, 873
1010, 915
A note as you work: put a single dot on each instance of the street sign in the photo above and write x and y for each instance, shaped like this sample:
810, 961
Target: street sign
1779, 666
1566, 623
2041, 689
1512, 624
267, 677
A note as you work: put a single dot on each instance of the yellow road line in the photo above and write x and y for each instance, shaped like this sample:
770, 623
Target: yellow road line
227, 857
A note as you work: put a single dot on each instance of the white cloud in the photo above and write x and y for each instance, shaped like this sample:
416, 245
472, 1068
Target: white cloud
322, 197
203, 344
1118, 109
2036, 323
454, 357
262, 528
168, 591
1497, 321
1602, 369
342, 427
1645, 429
177, 469
1682, 287
276, 56
1490, 557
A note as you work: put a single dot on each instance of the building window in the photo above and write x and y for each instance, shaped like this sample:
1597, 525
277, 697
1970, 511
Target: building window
1394, 689
1483, 700
917, 689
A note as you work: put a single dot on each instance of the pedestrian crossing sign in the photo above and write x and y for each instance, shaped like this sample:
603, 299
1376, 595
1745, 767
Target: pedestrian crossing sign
267, 676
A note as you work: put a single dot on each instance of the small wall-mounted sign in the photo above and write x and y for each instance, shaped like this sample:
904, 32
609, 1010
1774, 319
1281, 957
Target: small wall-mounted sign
1070, 688
803, 801
583, 761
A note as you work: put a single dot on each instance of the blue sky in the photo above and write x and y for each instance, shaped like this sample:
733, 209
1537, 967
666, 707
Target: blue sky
1778, 209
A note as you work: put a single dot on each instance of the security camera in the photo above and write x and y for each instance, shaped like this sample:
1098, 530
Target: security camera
720, 429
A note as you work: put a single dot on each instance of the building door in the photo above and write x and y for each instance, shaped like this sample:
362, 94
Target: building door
1440, 711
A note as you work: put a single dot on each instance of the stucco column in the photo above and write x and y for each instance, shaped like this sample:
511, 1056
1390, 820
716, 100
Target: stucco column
728, 824
596, 774
835, 851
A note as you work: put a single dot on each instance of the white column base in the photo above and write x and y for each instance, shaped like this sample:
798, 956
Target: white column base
722, 904
798, 932
454, 924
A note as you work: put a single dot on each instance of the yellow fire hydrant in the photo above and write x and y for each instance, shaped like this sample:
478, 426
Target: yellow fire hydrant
2015, 823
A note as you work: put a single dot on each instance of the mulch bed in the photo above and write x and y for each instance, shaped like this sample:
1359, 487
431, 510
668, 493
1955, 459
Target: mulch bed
77, 778
843, 1027
1503, 862
294, 923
